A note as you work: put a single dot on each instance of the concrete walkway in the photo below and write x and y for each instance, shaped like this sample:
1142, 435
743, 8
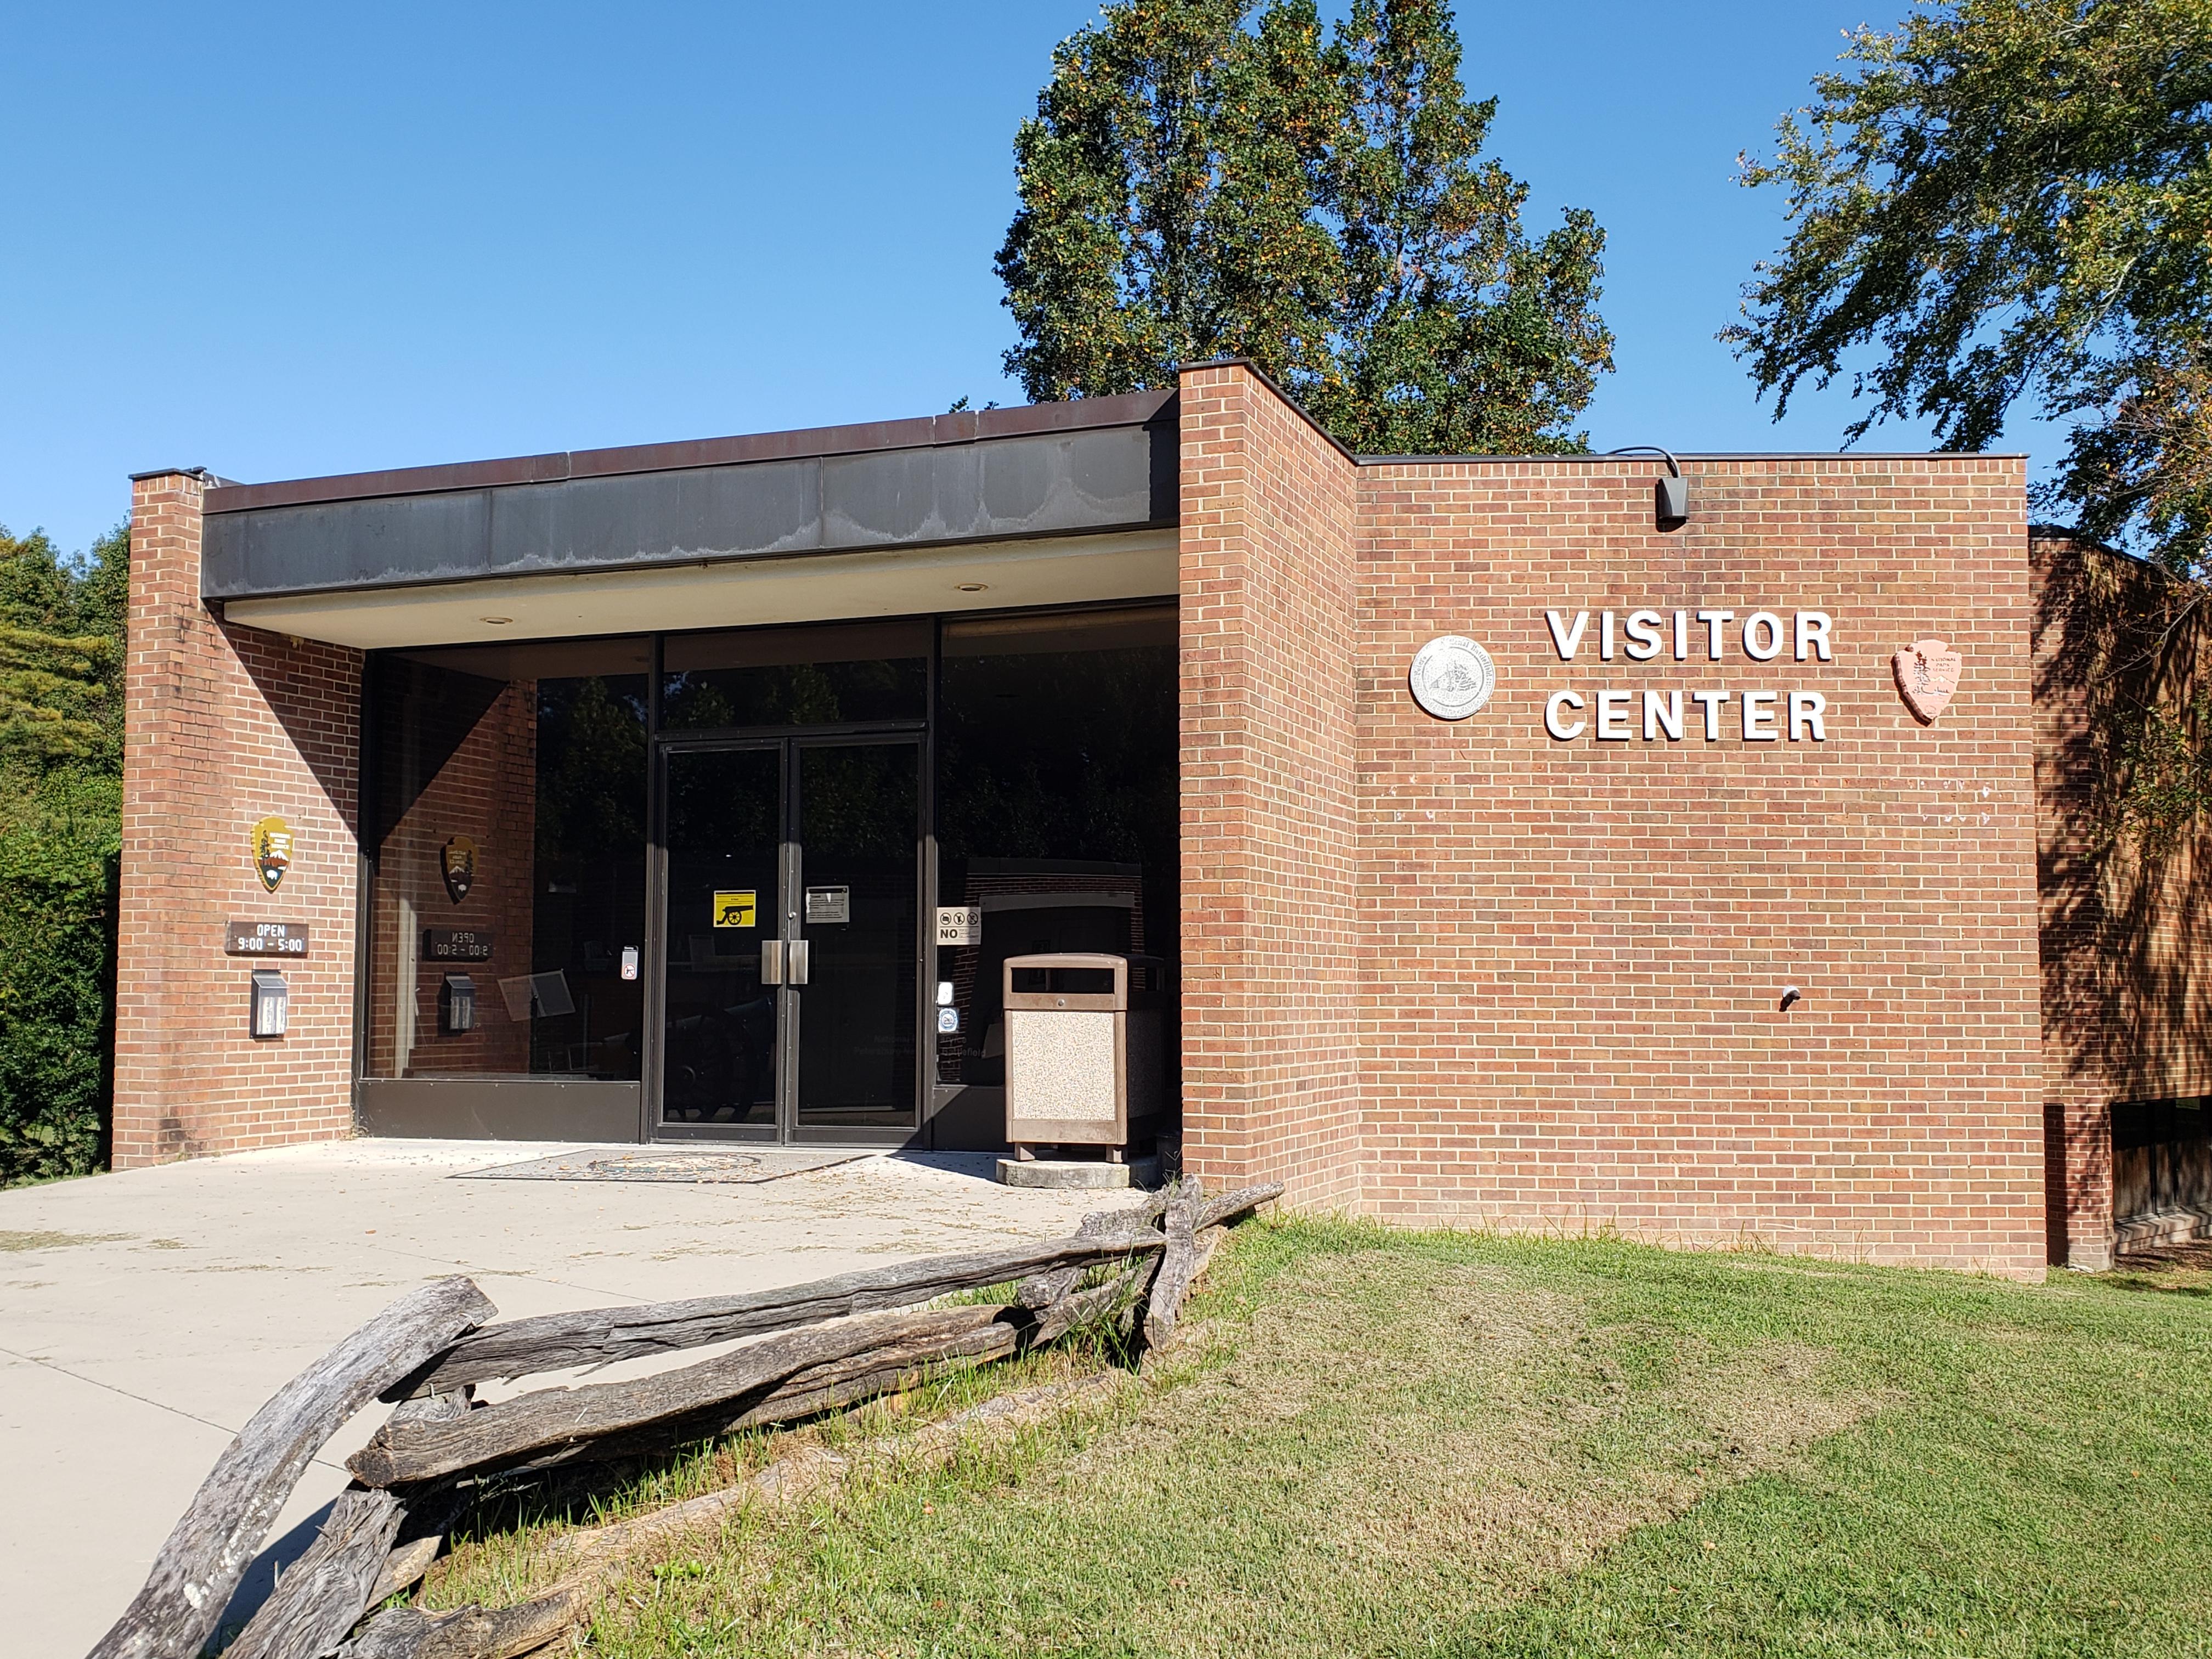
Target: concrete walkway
144, 1316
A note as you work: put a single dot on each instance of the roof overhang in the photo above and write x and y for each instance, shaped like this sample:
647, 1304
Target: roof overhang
1041, 504
905, 581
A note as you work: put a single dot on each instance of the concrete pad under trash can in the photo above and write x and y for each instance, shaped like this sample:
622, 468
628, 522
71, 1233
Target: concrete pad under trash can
1078, 1174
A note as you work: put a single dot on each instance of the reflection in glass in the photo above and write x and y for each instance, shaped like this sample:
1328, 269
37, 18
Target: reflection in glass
509, 826
1058, 804
858, 820
795, 676
724, 832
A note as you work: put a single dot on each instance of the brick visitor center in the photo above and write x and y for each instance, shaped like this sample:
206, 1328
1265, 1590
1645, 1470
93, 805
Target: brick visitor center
1552, 843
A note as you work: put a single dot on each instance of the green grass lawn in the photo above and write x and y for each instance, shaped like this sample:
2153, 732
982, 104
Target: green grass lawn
1382, 1442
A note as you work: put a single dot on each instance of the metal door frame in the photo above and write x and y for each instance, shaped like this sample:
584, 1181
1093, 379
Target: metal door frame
789, 742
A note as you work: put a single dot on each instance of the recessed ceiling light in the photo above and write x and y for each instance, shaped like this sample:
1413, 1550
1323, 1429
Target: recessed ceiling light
496, 622
973, 588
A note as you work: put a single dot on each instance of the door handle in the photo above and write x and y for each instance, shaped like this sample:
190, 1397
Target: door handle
798, 959
771, 961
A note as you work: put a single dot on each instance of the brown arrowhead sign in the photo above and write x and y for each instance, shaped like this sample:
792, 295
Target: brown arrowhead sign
1927, 674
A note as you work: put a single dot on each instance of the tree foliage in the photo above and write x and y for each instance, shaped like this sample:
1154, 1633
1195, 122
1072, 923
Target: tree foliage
61, 745
2161, 783
2012, 199
1212, 178
59, 690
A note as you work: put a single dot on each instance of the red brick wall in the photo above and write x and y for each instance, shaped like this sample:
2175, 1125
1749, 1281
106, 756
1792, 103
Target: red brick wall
1455, 973
2127, 1003
1568, 955
1271, 1085
222, 727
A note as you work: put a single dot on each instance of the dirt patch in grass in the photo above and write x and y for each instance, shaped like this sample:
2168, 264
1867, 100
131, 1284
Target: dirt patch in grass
1472, 1430
2171, 1270
1390, 1429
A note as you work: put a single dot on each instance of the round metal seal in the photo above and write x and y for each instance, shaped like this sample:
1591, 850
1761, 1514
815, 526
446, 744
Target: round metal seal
1453, 677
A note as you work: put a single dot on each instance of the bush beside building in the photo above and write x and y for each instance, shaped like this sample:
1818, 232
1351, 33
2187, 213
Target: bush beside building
61, 634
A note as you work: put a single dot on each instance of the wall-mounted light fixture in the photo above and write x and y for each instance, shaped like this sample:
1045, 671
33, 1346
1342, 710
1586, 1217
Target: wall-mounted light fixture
1673, 495
457, 1005
270, 1003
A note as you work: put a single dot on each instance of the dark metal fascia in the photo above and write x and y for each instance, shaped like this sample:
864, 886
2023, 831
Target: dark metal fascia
693, 562
1689, 455
923, 432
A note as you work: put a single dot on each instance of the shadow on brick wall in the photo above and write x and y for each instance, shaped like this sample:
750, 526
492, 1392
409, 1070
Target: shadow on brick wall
2122, 651
313, 690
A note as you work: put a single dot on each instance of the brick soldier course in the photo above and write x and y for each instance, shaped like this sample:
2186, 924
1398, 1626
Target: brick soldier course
1526, 969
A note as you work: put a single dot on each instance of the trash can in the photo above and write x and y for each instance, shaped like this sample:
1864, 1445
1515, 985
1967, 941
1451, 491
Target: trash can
1085, 1049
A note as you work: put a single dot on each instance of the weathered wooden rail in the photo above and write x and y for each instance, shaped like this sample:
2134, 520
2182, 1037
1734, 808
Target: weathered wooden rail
815, 1348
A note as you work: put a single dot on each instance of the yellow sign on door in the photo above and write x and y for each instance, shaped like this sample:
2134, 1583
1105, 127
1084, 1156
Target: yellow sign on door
736, 910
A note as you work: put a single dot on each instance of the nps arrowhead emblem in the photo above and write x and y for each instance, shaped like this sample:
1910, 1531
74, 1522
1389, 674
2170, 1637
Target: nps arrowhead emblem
1927, 674
457, 862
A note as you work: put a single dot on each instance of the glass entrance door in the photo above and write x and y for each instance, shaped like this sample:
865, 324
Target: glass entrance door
721, 1049
857, 928
791, 944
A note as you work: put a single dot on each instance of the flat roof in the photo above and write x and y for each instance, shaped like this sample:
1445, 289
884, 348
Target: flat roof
864, 437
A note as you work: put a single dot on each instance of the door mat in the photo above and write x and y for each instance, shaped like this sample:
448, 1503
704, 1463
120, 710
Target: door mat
719, 1167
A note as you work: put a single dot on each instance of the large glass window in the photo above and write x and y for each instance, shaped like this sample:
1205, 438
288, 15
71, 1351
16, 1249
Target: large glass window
826, 676
507, 916
1058, 808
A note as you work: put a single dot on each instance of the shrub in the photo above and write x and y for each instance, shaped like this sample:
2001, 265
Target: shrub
57, 978
61, 749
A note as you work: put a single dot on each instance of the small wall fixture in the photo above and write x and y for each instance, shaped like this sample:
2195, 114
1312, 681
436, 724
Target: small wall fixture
457, 1005
1671, 497
270, 1003
1790, 994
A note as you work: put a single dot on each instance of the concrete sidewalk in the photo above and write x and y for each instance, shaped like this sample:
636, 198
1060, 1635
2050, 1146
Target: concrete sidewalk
144, 1316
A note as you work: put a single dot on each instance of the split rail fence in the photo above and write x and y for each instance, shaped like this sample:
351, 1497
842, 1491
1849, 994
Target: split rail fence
821, 1347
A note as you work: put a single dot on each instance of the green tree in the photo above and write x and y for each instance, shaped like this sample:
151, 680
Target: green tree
52, 681
2011, 200
1208, 178
61, 729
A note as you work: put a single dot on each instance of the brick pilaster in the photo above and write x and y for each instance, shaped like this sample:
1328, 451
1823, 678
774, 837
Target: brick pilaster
2078, 1184
224, 726
1271, 991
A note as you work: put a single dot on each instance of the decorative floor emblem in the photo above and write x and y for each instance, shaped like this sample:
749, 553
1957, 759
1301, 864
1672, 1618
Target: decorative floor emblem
1453, 678
1927, 674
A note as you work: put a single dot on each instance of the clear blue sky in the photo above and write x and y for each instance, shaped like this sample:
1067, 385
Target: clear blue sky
285, 241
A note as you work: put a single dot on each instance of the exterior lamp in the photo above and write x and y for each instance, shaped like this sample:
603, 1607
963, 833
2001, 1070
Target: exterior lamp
1671, 497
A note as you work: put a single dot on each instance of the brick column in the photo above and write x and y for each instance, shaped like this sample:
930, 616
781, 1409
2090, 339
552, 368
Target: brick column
1271, 964
2078, 1149
224, 726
